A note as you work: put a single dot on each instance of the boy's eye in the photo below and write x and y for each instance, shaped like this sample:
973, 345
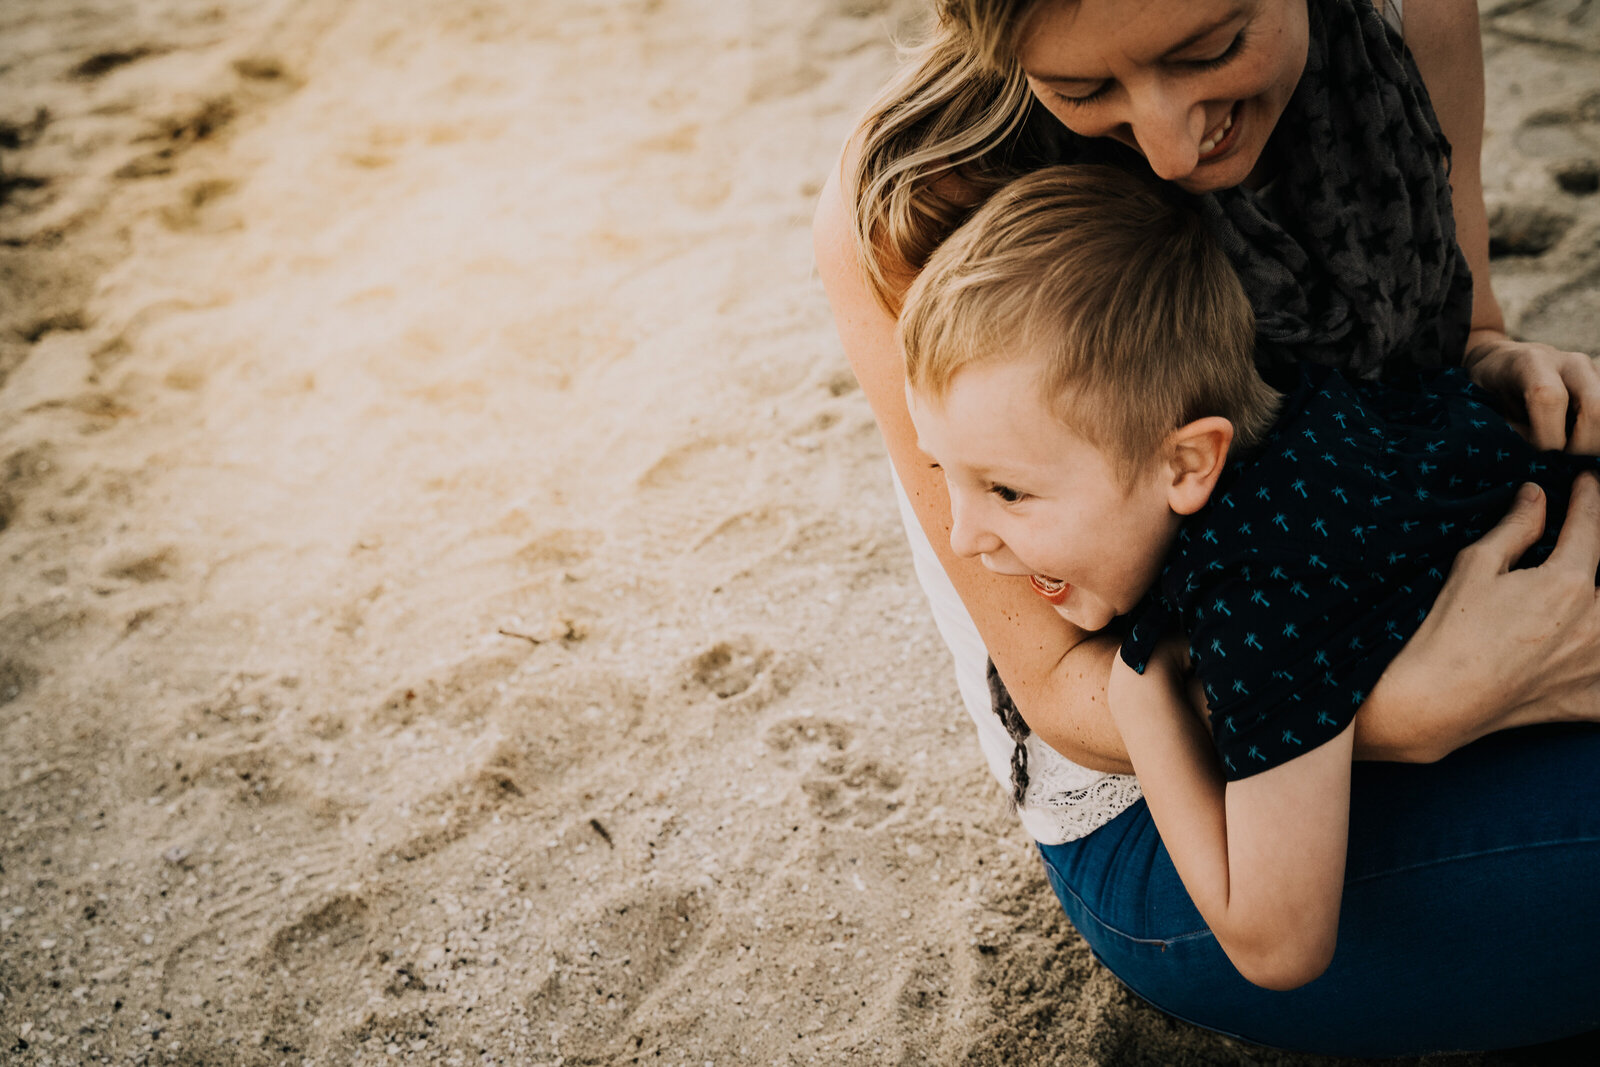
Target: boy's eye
1006, 493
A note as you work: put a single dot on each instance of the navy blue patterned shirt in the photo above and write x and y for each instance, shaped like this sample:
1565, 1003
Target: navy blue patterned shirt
1322, 551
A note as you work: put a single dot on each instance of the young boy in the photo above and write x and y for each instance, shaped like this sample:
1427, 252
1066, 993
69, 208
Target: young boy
1079, 361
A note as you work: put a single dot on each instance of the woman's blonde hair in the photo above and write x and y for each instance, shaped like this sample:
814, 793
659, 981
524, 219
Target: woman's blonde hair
957, 122
1122, 294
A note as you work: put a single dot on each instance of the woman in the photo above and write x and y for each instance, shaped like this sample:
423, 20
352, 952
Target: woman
1320, 153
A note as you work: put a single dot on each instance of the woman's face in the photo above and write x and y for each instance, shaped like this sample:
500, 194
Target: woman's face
1195, 86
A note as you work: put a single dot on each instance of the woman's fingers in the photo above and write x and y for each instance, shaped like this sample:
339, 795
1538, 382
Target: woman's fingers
1559, 391
1583, 385
1578, 543
1544, 394
1498, 550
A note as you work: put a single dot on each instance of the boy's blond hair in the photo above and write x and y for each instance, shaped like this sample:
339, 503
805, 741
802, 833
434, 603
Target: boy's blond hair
1135, 312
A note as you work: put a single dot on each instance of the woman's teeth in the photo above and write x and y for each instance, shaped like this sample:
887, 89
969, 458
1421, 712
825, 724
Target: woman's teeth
1217, 135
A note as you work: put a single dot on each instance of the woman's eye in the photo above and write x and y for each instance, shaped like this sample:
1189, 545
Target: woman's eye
1082, 101
1221, 57
1006, 493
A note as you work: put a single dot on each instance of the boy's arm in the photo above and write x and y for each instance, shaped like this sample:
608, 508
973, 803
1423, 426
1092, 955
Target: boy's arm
1262, 858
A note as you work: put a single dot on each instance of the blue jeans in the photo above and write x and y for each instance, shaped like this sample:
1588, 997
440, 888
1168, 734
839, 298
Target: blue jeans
1471, 916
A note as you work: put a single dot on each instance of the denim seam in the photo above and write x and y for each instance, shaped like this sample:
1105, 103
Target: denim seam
1520, 847
1161, 941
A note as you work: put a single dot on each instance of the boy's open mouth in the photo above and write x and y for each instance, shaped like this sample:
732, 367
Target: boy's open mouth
1052, 589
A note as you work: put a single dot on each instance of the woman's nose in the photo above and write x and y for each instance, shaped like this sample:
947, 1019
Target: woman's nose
1168, 130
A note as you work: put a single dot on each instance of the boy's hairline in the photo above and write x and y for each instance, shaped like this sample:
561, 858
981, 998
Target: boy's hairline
1063, 405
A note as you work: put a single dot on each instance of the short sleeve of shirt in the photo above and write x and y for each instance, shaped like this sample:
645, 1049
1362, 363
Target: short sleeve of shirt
1287, 652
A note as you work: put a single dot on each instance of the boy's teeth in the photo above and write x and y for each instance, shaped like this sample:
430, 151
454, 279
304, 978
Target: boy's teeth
1211, 142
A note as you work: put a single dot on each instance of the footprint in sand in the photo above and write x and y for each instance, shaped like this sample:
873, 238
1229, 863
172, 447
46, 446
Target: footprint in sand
329, 936
728, 669
1579, 177
1565, 316
854, 789
1563, 133
613, 960
1526, 229
102, 63
1565, 24
802, 733
138, 563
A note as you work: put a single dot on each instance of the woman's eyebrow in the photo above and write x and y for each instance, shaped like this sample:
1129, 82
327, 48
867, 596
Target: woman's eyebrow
1188, 42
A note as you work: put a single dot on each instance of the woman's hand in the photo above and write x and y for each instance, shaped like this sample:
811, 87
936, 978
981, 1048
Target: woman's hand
1501, 648
1559, 391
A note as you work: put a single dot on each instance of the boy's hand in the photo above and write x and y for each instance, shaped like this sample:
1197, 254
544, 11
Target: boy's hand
1168, 668
1559, 391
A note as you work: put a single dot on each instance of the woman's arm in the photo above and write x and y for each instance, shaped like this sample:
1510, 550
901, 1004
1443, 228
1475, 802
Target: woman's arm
1055, 672
1262, 858
1549, 383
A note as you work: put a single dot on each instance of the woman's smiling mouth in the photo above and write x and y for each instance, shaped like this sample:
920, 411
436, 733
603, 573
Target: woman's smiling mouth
1219, 140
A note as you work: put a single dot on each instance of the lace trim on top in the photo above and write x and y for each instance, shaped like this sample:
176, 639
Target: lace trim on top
1061, 806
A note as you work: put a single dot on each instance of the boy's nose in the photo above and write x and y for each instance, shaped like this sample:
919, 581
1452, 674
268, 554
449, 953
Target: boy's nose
969, 539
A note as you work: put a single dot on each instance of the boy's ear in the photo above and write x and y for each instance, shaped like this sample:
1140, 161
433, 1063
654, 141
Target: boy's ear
1196, 453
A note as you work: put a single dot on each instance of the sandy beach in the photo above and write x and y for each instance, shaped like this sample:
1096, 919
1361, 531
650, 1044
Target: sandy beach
453, 610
